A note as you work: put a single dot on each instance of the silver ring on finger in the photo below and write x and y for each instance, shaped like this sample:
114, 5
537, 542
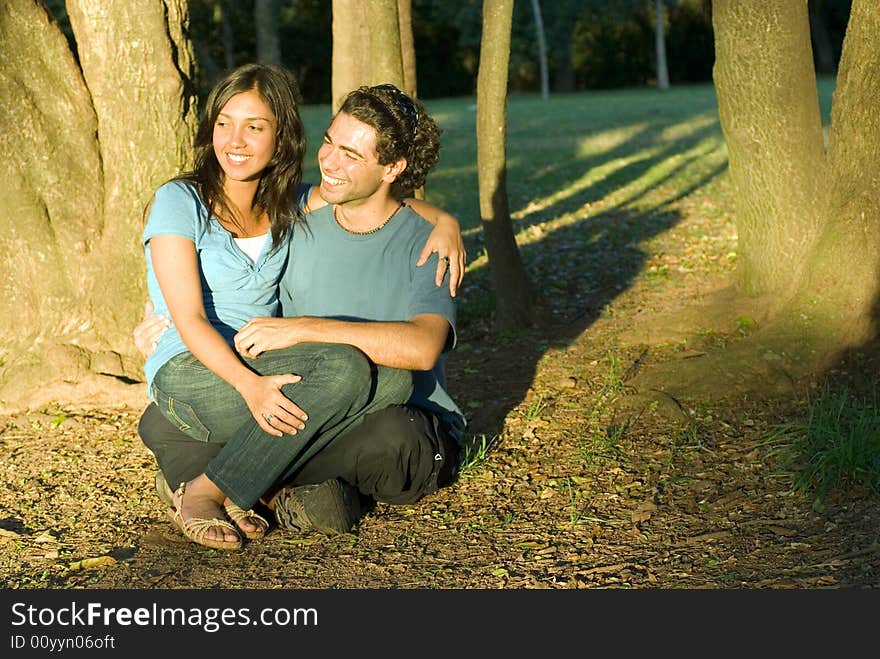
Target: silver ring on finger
268, 418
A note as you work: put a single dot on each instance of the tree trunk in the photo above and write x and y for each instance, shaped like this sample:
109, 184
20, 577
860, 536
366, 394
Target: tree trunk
91, 146
809, 223
839, 292
407, 47
542, 49
266, 20
660, 43
769, 112
350, 45
517, 304
386, 61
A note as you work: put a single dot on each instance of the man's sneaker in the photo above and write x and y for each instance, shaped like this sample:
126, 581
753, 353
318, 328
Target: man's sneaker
331, 507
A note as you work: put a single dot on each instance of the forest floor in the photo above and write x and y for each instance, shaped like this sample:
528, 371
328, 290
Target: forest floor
565, 490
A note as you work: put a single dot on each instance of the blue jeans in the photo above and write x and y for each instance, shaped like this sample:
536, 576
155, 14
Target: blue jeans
339, 387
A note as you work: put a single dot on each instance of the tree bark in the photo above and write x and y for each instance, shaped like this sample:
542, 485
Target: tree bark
386, 61
809, 223
517, 304
838, 296
351, 39
99, 136
266, 20
769, 112
407, 47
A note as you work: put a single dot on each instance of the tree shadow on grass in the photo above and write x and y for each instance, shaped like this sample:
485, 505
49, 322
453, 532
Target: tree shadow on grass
581, 268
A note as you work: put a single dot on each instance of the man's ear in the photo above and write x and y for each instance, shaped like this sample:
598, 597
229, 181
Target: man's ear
394, 170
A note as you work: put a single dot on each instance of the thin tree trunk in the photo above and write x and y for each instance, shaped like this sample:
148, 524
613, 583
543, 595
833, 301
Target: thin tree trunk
266, 20
660, 43
407, 47
517, 304
542, 49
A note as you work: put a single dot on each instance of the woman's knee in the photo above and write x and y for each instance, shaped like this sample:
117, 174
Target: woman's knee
345, 365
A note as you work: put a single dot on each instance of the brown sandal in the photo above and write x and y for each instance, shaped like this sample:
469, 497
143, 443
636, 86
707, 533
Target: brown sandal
196, 527
237, 515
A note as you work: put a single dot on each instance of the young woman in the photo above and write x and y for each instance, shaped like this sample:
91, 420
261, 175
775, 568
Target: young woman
216, 242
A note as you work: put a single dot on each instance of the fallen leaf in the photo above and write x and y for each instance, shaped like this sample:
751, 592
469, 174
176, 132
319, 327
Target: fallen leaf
644, 511
88, 563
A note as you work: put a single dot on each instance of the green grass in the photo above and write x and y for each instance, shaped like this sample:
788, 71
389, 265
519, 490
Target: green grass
572, 150
474, 452
835, 447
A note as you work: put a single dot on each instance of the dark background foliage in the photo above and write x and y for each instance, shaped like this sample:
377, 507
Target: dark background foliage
591, 43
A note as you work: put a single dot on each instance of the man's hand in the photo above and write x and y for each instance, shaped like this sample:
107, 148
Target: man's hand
261, 334
147, 333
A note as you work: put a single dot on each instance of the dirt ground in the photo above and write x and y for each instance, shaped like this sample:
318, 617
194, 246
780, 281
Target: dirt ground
571, 491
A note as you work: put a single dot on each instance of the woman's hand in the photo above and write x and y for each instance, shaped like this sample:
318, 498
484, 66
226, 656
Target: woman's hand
275, 413
446, 241
146, 334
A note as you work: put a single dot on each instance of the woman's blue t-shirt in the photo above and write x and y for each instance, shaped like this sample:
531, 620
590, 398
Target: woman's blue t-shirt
234, 288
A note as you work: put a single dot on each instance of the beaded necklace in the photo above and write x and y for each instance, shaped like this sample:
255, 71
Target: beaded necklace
365, 233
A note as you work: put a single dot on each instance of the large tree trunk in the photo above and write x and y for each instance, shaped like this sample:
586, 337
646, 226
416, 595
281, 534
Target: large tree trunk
769, 111
91, 145
266, 20
350, 44
809, 223
517, 304
839, 291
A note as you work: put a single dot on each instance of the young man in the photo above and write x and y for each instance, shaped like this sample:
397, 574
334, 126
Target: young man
351, 278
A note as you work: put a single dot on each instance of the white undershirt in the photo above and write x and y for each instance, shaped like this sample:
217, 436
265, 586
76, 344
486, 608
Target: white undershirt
252, 246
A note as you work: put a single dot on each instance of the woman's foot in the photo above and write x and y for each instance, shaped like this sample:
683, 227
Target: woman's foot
253, 525
199, 514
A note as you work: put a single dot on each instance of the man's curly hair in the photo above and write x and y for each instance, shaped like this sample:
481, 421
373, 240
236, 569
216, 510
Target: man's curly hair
403, 130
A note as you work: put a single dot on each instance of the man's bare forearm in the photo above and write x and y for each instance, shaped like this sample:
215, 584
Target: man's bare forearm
413, 345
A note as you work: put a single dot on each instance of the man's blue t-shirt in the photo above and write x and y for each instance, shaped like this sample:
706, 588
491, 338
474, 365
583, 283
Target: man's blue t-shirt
333, 273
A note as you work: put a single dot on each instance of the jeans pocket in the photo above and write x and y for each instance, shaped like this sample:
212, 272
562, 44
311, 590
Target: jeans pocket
181, 414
